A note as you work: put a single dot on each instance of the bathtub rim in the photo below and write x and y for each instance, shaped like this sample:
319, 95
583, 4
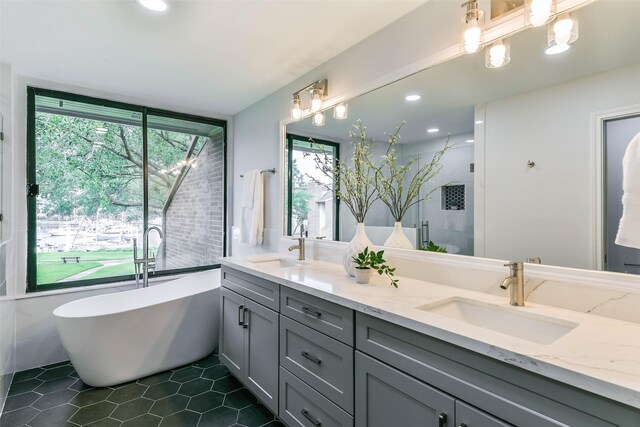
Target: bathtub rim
144, 304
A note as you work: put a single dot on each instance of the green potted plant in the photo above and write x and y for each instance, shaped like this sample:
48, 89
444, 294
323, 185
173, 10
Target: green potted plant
355, 186
366, 261
399, 189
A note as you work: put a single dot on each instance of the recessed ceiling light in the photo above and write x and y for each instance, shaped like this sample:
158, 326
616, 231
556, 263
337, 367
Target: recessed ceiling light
559, 48
479, 122
102, 130
155, 5
471, 140
414, 97
433, 130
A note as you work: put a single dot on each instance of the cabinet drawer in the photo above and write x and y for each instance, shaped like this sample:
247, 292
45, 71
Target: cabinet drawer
326, 317
300, 405
468, 416
255, 288
322, 362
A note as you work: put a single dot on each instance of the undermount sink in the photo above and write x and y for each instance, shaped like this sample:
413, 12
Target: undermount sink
278, 262
505, 320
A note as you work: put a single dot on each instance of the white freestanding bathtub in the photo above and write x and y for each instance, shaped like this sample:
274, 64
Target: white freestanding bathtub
114, 338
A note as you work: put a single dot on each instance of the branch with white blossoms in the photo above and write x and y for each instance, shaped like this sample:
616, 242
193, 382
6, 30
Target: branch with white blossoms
390, 178
354, 181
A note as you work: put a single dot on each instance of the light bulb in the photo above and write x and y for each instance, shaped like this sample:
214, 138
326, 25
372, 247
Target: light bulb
318, 119
562, 30
316, 100
296, 108
340, 111
472, 40
155, 5
541, 11
497, 55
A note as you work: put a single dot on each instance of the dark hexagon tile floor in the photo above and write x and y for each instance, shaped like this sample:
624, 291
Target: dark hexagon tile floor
197, 395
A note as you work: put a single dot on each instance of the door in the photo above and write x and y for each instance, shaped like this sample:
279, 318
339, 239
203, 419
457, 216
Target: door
388, 397
468, 416
232, 331
617, 136
261, 353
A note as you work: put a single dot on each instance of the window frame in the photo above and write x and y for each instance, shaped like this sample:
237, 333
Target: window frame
290, 137
32, 255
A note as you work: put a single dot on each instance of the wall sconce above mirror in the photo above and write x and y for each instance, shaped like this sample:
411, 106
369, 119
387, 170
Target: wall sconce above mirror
317, 92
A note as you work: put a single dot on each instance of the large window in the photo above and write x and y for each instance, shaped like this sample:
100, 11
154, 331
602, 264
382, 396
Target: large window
311, 200
101, 172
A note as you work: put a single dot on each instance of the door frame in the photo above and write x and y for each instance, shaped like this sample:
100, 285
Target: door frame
598, 120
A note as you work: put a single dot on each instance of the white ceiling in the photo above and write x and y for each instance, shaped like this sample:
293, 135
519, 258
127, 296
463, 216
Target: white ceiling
211, 56
608, 39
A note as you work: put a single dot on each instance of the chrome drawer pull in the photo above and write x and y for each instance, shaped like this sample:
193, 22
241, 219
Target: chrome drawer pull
311, 312
311, 357
245, 323
442, 420
308, 416
240, 315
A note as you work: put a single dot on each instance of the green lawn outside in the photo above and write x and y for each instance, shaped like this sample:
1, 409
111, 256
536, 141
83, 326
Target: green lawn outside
113, 270
101, 255
51, 273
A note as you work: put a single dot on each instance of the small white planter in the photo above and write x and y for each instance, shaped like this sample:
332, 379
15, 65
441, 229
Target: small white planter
363, 275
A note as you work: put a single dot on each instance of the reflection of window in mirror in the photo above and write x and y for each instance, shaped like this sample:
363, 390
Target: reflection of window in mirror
310, 197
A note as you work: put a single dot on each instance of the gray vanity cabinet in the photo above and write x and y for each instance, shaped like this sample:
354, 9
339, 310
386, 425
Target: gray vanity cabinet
468, 416
248, 342
388, 397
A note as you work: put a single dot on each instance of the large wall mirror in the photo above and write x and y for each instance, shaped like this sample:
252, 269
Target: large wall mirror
535, 165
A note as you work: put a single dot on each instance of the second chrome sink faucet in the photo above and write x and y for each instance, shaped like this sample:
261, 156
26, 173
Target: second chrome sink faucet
300, 245
515, 283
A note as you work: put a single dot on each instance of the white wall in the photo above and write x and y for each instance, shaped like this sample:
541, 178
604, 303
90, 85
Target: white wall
425, 31
554, 128
7, 252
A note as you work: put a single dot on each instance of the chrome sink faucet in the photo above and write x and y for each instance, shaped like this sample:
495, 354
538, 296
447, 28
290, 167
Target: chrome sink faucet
515, 283
300, 245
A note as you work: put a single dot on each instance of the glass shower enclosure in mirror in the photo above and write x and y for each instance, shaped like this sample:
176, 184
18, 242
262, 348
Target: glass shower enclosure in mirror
535, 165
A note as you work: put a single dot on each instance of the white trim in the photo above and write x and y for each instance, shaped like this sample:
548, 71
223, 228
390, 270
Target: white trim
597, 125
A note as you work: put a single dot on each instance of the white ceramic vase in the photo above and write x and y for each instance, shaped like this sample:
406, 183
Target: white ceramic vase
398, 239
356, 245
363, 275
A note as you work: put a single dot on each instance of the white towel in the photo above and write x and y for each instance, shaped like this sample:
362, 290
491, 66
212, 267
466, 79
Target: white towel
252, 221
629, 229
248, 188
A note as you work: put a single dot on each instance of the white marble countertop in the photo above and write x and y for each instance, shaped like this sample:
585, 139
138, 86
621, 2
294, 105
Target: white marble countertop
600, 355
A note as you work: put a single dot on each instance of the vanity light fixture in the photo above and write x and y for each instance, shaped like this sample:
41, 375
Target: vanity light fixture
539, 12
472, 27
155, 5
498, 55
413, 97
340, 111
318, 119
561, 34
433, 130
317, 92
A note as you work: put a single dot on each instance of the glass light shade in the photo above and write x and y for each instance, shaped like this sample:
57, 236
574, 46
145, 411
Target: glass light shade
498, 55
472, 31
296, 108
316, 100
340, 111
539, 12
318, 119
562, 33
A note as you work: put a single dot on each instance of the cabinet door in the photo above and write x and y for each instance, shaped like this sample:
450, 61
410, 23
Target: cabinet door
261, 353
468, 416
231, 345
388, 397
